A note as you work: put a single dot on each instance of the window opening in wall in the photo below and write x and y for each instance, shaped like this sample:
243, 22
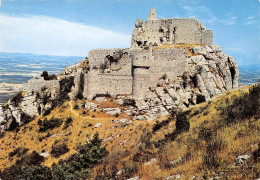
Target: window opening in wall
174, 29
161, 39
161, 30
168, 35
139, 43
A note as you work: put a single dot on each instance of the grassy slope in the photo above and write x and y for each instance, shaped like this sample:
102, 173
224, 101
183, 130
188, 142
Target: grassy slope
225, 143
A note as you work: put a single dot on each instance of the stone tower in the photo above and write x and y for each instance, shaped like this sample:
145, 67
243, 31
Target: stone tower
156, 32
152, 16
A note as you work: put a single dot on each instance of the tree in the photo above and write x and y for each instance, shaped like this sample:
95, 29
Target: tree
45, 75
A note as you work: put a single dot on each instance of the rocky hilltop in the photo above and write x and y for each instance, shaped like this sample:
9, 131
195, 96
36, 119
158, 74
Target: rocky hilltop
171, 64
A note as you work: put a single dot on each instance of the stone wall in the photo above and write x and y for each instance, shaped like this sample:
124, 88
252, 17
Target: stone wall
106, 84
169, 31
37, 85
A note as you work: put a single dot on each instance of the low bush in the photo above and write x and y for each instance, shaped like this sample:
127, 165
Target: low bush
14, 125
25, 118
58, 150
34, 172
129, 102
46, 76
68, 122
245, 106
182, 122
30, 159
200, 99
159, 125
76, 106
49, 124
16, 99
18, 151
76, 167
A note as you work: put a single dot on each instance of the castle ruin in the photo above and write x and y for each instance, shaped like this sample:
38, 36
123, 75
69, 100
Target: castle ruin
135, 70
171, 64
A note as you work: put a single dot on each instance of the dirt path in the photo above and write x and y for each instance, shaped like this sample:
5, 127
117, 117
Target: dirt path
77, 114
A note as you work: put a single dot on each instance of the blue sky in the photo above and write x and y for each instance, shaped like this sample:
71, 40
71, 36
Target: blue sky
73, 27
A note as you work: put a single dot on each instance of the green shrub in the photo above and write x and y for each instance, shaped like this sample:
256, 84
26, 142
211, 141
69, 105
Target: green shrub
18, 151
243, 107
30, 159
49, 124
78, 165
65, 88
14, 125
16, 99
58, 150
46, 76
159, 125
37, 173
182, 122
12, 173
47, 111
200, 99
68, 122
25, 118
76, 106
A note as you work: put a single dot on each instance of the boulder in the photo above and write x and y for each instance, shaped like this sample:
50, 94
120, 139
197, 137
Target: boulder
112, 111
97, 125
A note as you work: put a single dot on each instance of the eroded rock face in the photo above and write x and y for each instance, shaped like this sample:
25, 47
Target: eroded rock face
27, 106
208, 74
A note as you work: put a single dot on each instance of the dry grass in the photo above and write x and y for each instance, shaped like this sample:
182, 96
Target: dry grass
185, 46
236, 139
77, 133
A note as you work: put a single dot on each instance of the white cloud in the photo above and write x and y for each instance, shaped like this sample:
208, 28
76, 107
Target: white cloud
47, 35
200, 12
250, 21
230, 19
227, 21
236, 49
250, 17
188, 8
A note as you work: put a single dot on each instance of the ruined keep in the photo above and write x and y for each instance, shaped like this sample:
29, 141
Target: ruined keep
156, 32
137, 70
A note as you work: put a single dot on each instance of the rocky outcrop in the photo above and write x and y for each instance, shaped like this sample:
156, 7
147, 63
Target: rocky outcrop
209, 73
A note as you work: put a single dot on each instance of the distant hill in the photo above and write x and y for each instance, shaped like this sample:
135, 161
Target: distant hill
249, 74
255, 67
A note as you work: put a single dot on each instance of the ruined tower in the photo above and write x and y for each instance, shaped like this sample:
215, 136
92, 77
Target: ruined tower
152, 16
156, 32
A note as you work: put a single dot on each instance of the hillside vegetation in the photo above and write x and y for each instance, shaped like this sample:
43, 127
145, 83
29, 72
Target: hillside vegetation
218, 138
